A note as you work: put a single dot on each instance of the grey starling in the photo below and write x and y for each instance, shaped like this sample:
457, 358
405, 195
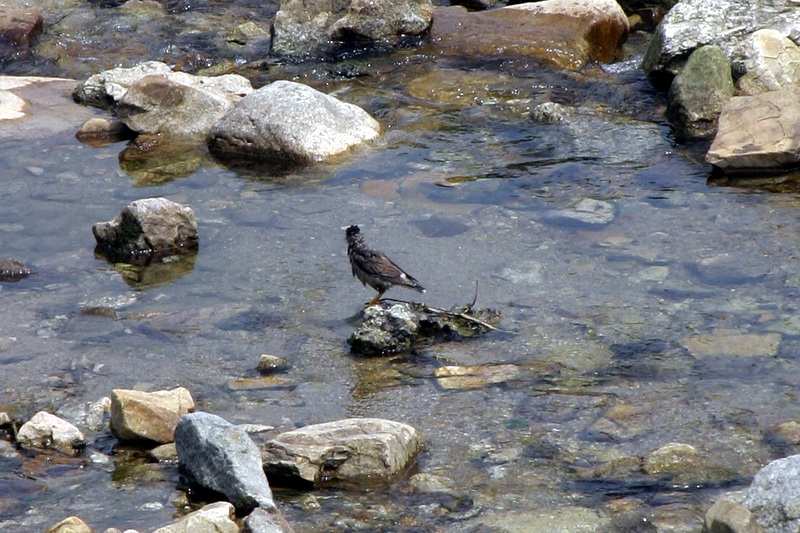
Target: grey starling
374, 268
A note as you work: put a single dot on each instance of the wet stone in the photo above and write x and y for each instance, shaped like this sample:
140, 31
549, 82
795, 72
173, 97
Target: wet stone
73, 524
268, 364
218, 517
674, 458
400, 327
474, 377
726, 342
588, 211
147, 229
11, 270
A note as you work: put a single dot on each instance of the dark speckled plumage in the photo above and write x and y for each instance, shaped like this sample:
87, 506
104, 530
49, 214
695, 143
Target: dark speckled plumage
374, 268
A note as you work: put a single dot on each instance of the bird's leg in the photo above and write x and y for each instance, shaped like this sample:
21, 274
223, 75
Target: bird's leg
375, 300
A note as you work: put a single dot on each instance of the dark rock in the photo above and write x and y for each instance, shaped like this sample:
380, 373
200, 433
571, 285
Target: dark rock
147, 229
400, 327
219, 456
698, 94
345, 450
11, 270
18, 29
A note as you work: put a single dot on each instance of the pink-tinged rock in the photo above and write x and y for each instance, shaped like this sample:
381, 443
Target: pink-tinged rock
562, 34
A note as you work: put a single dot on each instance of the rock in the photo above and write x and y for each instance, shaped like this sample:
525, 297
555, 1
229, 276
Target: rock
148, 416
729, 342
757, 133
157, 104
219, 456
560, 33
291, 123
268, 364
46, 431
18, 29
303, 27
728, 515
218, 517
108, 88
345, 450
674, 458
147, 229
34, 107
11, 270
98, 131
698, 94
166, 453
474, 377
73, 524
550, 112
263, 521
774, 63
786, 433
397, 328
774, 496
588, 211
726, 23
153, 160
385, 331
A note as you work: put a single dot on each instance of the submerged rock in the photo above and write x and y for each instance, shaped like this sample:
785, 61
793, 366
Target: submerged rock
400, 327
563, 34
345, 450
147, 229
221, 457
11, 270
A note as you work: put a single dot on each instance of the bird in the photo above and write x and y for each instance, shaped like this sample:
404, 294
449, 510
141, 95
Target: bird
374, 268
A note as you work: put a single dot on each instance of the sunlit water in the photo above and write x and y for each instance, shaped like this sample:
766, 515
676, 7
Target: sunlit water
596, 318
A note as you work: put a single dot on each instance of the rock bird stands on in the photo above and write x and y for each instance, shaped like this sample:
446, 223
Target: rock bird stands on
374, 268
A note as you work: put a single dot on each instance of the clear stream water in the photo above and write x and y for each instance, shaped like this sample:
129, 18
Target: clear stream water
598, 319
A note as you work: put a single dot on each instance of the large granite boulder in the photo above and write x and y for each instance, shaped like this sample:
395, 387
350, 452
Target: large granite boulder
691, 24
291, 123
305, 27
758, 133
345, 450
561, 33
147, 229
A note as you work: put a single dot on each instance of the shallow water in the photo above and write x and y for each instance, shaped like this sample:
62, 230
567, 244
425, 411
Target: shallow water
458, 191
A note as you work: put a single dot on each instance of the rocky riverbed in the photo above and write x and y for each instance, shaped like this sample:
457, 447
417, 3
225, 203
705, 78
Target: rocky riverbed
645, 364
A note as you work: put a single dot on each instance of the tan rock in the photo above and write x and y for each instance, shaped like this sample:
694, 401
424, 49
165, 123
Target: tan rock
561, 33
474, 377
150, 416
774, 63
218, 517
758, 133
673, 458
733, 343
351, 449
728, 514
73, 524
